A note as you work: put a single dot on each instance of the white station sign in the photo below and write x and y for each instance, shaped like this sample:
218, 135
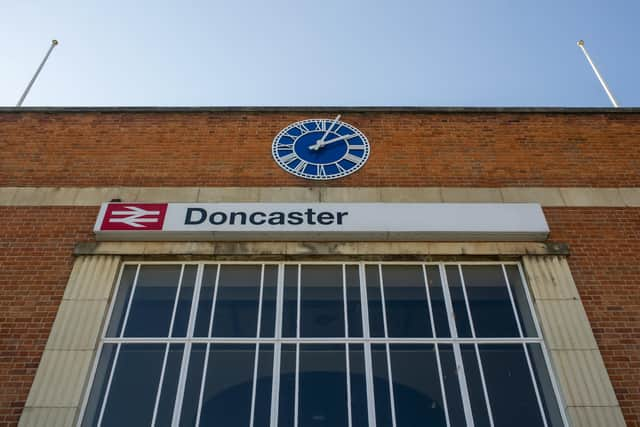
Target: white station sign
321, 221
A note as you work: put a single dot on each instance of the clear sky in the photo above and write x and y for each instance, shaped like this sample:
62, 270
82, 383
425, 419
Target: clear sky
328, 52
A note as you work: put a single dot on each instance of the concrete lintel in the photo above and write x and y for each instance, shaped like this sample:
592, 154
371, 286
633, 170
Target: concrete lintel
320, 248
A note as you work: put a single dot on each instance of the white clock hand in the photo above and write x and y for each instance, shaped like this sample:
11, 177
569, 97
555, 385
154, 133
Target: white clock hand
321, 144
330, 127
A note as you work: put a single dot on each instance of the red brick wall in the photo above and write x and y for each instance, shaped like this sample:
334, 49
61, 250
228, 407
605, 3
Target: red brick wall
605, 263
35, 262
234, 149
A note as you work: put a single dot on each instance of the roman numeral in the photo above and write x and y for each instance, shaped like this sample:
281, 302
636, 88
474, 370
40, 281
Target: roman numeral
300, 167
321, 170
340, 168
282, 146
353, 159
356, 147
289, 158
321, 125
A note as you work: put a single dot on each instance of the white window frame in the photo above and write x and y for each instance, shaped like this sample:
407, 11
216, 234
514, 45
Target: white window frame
366, 340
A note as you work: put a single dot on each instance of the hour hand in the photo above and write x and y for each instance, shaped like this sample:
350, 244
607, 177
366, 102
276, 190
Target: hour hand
320, 143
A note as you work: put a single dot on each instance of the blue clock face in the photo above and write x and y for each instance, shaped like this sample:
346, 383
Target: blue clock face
320, 149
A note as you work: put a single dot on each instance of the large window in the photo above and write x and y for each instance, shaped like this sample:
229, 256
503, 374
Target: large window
357, 344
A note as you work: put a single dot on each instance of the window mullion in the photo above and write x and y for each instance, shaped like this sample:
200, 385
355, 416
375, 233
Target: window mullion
275, 384
106, 392
297, 377
133, 291
457, 354
157, 402
175, 302
386, 336
433, 332
346, 346
368, 366
475, 345
213, 300
255, 362
203, 383
166, 352
184, 365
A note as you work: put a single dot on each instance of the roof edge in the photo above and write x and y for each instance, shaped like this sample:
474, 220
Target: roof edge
355, 109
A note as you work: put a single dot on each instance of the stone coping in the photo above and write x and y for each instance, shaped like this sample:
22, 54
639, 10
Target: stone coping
546, 196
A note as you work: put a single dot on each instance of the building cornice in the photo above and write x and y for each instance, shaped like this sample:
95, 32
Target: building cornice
308, 109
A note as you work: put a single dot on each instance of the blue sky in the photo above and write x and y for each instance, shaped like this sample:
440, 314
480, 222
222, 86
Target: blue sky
343, 53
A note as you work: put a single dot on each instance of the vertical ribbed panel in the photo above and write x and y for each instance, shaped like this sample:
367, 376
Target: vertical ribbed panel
60, 378
47, 417
77, 325
584, 378
92, 278
550, 277
604, 416
64, 368
565, 325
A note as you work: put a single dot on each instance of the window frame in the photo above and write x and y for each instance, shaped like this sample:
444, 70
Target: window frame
366, 340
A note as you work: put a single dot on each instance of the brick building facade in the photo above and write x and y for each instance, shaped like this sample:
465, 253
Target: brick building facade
582, 166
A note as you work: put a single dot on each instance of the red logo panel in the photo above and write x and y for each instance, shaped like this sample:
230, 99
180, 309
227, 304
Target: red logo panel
134, 216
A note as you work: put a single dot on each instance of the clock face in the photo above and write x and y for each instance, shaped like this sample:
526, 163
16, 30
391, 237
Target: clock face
320, 149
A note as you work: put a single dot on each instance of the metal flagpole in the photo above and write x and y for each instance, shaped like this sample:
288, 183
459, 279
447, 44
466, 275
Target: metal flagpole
54, 43
595, 70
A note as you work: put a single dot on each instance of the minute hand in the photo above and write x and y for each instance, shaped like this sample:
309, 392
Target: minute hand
321, 144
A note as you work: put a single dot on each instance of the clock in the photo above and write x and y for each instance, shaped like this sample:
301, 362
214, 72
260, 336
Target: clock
320, 149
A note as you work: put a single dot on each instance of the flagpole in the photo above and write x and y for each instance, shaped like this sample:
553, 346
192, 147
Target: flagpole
600, 78
54, 43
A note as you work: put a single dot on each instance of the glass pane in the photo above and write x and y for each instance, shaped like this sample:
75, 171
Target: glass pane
416, 385
543, 380
132, 395
236, 309
169, 385
153, 300
374, 301
287, 386
226, 398
509, 386
405, 299
520, 298
438, 305
359, 417
457, 301
451, 386
192, 387
489, 302
181, 320
205, 301
269, 292
105, 364
322, 303
121, 300
474, 385
381, 385
262, 411
290, 301
354, 310
323, 385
